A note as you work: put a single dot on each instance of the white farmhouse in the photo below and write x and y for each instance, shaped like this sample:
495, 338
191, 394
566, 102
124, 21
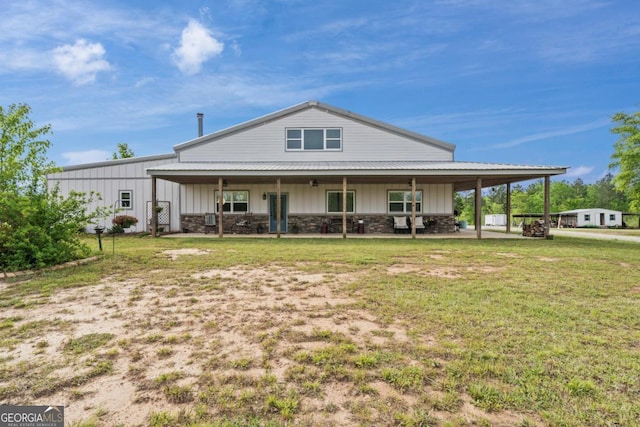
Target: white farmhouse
309, 168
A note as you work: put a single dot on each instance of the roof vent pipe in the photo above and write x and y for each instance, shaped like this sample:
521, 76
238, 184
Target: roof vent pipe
200, 117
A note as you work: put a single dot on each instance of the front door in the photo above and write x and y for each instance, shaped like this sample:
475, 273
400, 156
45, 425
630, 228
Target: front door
273, 213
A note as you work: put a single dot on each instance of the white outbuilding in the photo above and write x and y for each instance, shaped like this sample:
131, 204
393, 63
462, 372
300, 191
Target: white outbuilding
495, 220
593, 217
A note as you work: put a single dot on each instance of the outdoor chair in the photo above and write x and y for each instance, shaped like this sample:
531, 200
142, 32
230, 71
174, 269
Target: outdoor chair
400, 224
335, 225
243, 224
420, 225
209, 222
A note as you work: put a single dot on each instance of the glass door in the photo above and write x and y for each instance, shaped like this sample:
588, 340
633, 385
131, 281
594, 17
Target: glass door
273, 213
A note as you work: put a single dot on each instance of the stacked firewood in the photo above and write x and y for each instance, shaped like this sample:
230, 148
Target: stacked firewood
535, 229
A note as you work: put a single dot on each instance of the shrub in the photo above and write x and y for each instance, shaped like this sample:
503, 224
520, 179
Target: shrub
41, 229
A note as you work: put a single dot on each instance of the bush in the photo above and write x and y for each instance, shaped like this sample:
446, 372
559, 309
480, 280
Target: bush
41, 230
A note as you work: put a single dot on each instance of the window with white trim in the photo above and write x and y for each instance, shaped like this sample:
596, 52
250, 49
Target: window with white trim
587, 217
612, 217
313, 139
400, 201
334, 201
233, 201
126, 199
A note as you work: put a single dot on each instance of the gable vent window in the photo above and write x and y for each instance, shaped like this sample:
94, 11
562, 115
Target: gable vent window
307, 139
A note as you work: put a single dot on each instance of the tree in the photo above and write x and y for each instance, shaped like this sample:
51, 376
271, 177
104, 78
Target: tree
495, 202
23, 161
124, 152
626, 156
603, 194
38, 226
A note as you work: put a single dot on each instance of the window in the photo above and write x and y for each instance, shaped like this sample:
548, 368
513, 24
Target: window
334, 201
126, 199
587, 217
301, 139
612, 217
400, 201
233, 201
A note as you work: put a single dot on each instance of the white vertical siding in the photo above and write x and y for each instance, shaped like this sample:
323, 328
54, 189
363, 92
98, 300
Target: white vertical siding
109, 180
370, 199
594, 218
360, 142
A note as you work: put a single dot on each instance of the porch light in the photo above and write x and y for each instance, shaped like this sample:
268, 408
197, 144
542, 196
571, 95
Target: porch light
264, 196
313, 183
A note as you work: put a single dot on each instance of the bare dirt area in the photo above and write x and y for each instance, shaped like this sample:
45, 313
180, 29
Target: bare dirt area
274, 342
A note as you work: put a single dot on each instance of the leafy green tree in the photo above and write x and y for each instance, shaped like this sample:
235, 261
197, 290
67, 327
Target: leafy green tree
23, 162
603, 194
465, 203
495, 202
626, 156
38, 226
124, 152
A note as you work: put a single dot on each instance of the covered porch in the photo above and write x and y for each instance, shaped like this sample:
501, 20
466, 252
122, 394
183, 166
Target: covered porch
272, 183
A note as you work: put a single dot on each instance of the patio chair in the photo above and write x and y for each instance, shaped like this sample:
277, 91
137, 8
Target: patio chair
420, 225
400, 224
243, 224
209, 221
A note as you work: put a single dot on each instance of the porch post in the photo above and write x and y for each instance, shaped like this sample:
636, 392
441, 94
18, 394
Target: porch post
508, 208
478, 212
220, 206
547, 216
344, 207
154, 203
413, 207
278, 208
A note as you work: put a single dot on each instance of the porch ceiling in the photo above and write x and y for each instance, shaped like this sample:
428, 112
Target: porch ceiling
463, 175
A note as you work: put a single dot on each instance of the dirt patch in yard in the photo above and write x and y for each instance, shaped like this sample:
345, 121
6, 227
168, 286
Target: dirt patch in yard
224, 341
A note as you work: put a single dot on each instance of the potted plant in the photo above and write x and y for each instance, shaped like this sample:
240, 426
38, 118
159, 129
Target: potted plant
124, 221
294, 228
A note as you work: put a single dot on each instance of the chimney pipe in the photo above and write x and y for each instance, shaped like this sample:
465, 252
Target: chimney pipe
200, 117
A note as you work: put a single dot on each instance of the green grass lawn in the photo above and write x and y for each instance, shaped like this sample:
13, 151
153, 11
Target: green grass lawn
416, 332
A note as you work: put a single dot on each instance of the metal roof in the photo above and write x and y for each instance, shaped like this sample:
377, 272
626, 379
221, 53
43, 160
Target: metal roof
462, 174
349, 166
116, 162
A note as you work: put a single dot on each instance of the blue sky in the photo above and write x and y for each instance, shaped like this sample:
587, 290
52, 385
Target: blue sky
519, 81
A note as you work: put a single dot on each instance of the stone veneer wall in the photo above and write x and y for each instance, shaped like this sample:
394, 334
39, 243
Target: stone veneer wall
380, 224
194, 223
310, 224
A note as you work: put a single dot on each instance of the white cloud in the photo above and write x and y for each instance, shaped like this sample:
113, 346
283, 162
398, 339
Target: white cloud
80, 62
89, 156
552, 134
196, 47
579, 171
22, 59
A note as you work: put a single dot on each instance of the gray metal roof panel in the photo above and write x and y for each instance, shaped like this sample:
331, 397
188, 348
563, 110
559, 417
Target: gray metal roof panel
370, 166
